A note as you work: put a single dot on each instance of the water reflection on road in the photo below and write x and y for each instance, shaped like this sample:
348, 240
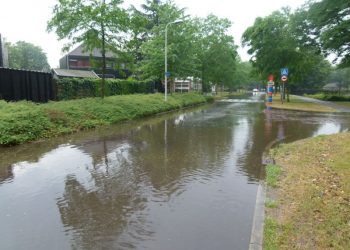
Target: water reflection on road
178, 181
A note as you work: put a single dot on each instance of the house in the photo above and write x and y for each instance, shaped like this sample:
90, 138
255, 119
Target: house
79, 59
332, 87
187, 84
69, 73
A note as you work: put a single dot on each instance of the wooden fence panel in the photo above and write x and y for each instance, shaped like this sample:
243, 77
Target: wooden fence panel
28, 85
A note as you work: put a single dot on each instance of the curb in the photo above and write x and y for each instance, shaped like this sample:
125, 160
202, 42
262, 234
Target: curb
256, 237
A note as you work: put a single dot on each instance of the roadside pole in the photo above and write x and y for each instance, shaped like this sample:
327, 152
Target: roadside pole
270, 91
284, 79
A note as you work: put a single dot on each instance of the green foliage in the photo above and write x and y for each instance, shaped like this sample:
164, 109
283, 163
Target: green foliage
75, 88
269, 203
216, 50
271, 229
244, 77
276, 42
94, 23
198, 47
21, 121
24, 121
330, 22
330, 97
23, 55
272, 174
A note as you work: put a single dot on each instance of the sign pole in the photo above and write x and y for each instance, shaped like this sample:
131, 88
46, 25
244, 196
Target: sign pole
269, 91
284, 78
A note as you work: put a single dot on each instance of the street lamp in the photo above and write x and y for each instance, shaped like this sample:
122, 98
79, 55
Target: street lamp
166, 57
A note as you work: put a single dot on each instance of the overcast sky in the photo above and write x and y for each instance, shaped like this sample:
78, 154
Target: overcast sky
26, 19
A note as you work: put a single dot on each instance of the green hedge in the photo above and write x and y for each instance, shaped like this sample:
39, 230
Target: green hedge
25, 121
330, 97
75, 88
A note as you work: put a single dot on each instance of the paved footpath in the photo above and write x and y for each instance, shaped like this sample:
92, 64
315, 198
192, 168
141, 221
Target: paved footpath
325, 103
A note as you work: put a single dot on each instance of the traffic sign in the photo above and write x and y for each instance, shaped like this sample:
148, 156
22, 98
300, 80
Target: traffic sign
167, 74
284, 78
284, 72
271, 77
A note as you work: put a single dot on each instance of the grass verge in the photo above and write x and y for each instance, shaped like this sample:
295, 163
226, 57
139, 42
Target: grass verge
344, 104
313, 195
300, 105
25, 121
272, 174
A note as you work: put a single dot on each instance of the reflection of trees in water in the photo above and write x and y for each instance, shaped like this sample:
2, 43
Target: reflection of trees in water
187, 150
6, 174
98, 215
270, 127
126, 170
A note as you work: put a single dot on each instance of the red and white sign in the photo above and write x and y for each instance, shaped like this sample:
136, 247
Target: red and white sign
284, 78
271, 78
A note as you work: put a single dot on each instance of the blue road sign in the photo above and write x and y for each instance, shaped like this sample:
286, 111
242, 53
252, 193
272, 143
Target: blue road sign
167, 73
284, 72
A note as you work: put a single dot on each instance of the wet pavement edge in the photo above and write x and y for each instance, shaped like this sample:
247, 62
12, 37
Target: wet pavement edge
256, 237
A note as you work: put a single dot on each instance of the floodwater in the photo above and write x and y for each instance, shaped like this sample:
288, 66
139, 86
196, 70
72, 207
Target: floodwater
186, 180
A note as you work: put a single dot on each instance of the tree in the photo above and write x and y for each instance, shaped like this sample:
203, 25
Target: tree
330, 21
141, 24
216, 51
244, 77
197, 47
275, 43
180, 53
96, 24
23, 55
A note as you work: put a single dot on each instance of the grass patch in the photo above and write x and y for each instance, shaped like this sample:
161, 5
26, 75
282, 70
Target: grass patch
313, 195
270, 234
300, 105
25, 121
272, 174
344, 104
269, 203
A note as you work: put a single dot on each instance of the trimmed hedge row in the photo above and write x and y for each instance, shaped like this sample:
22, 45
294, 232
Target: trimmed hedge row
331, 97
75, 88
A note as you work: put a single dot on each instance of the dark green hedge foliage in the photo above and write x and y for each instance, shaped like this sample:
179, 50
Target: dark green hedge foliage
75, 88
331, 97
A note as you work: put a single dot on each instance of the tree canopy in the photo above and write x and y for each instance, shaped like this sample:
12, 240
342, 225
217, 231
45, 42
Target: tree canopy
23, 55
276, 41
330, 25
94, 23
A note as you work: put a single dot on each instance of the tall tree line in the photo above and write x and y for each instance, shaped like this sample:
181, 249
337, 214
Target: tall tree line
301, 40
198, 47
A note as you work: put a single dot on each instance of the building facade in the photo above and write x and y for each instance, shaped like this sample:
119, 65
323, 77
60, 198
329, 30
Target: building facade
79, 59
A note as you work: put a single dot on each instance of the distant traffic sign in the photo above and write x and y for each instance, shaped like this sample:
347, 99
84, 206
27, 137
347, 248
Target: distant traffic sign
284, 72
284, 78
167, 74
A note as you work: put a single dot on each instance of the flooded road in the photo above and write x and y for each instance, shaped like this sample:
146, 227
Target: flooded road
186, 180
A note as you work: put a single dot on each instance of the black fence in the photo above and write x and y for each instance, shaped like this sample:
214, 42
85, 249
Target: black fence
33, 86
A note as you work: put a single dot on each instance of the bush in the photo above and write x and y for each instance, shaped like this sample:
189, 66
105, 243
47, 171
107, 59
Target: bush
26, 121
75, 88
330, 97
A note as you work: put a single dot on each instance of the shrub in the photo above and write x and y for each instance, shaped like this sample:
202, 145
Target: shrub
330, 97
75, 88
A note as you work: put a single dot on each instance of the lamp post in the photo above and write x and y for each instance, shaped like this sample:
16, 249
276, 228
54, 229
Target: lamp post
166, 58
